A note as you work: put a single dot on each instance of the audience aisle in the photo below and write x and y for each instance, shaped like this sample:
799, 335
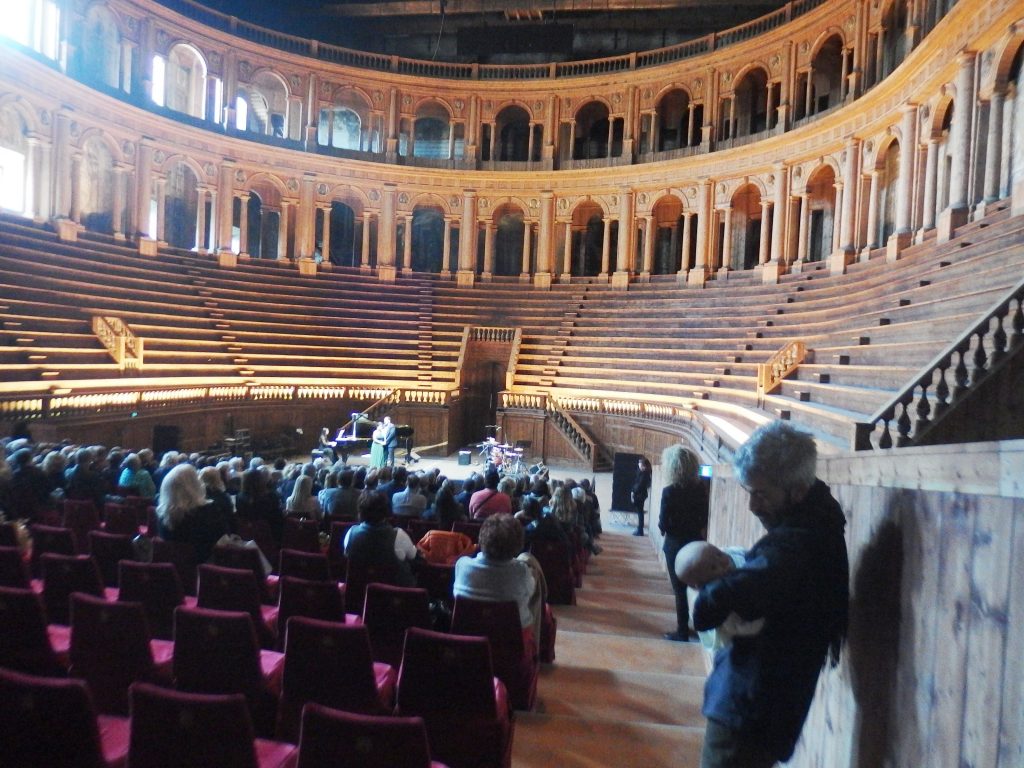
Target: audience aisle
618, 694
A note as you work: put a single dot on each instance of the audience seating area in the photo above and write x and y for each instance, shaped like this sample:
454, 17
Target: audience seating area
143, 646
868, 331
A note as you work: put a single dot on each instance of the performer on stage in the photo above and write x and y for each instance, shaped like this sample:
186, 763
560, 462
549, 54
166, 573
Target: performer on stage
390, 441
378, 448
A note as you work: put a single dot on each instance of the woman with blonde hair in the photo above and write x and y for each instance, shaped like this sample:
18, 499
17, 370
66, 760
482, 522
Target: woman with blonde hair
302, 501
683, 518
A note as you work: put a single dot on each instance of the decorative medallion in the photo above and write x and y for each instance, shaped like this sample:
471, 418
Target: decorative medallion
563, 203
804, 46
295, 81
128, 149
326, 89
460, 105
293, 185
850, 21
642, 199
44, 116
210, 169
869, 147
378, 96
534, 202
244, 70
722, 189
775, 61
374, 195
648, 94
321, 189
215, 61
454, 201
406, 100
538, 106
403, 198
74, 130
617, 98
727, 77
159, 157
690, 192
798, 172
240, 176
488, 106
131, 23
162, 40
614, 200
484, 203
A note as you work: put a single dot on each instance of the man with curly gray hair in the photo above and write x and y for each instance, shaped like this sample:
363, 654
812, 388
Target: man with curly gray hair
796, 578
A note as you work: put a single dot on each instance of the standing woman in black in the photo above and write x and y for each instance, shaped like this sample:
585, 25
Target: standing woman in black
641, 487
683, 518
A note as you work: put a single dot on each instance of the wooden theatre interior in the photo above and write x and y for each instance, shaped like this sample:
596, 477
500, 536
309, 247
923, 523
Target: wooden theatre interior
211, 229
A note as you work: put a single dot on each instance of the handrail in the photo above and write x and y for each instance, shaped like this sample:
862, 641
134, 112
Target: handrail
123, 345
461, 361
462, 71
513, 358
581, 442
779, 366
929, 409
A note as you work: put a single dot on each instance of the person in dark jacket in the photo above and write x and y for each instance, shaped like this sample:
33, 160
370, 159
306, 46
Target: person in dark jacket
638, 493
796, 578
683, 518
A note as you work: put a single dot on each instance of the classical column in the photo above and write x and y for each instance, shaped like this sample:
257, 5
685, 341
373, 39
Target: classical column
572, 140
879, 54
213, 223
545, 240
648, 245
809, 92
873, 212
930, 168
42, 209
624, 259
567, 252
611, 133
120, 194
451, 140
673, 241
243, 225
698, 275
386, 226
901, 237
993, 147
364, 249
605, 245
840, 189
844, 78
962, 115
489, 233
684, 254
407, 244
282, 231
225, 211
524, 272
494, 140
75, 210
467, 235
446, 253
726, 264
529, 145
770, 107
200, 239
325, 232
764, 245
161, 209
732, 117
691, 109
779, 214
851, 177
802, 233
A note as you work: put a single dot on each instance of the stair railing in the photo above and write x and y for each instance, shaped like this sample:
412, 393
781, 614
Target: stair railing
771, 374
977, 354
578, 438
123, 345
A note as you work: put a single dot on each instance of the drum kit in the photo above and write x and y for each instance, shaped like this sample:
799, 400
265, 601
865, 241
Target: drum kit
507, 459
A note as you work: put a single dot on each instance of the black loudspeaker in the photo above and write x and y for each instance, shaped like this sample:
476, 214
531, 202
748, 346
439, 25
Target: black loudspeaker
623, 474
464, 458
166, 437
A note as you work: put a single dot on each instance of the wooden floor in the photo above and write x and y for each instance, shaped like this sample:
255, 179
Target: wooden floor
618, 693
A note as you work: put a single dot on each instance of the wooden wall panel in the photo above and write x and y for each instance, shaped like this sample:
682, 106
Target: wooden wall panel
932, 671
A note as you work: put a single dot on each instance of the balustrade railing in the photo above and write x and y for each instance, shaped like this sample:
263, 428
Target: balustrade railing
581, 442
951, 376
779, 366
123, 345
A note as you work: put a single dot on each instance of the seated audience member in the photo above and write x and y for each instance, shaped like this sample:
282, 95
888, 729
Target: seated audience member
28, 488
470, 485
83, 481
508, 486
410, 502
330, 493
699, 563
53, 466
392, 480
375, 542
135, 477
183, 513
257, 501
446, 510
495, 573
221, 505
489, 500
593, 507
302, 502
543, 526
167, 462
346, 504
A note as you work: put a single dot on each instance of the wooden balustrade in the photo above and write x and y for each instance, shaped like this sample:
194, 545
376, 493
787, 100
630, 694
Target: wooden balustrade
956, 371
123, 345
779, 366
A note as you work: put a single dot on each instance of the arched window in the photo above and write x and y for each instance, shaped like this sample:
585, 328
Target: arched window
339, 127
181, 208
666, 255
427, 239
100, 48
674, 126
821, 201
889, 175
14, 181
508, 241
751, 107
185, 81
746, 224
34, 24
96, 186
588, 239
513, 139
